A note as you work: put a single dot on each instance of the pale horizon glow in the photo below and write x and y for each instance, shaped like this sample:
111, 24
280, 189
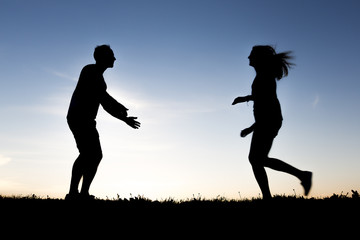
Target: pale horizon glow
179, 66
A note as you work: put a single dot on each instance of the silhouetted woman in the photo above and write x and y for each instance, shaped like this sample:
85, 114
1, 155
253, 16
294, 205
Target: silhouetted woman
269, 66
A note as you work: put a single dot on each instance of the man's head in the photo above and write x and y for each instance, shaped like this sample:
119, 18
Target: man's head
104, 56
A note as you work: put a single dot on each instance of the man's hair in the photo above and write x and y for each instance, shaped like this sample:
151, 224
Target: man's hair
101, 52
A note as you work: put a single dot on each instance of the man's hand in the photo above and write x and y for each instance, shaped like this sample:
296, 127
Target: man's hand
132, 122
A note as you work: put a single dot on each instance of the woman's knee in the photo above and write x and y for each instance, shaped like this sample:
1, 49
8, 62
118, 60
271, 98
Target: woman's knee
256, 159
252, 159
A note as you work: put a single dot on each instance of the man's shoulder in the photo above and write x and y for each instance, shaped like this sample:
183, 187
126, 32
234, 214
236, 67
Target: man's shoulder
90, 71
89, 67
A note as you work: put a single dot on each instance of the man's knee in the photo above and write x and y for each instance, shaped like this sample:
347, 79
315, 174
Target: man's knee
97, 156
92, 156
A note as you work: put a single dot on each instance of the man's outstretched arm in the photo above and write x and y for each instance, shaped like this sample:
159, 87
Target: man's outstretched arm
118, 110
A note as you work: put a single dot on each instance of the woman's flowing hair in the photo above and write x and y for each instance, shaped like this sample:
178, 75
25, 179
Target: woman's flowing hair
277, 64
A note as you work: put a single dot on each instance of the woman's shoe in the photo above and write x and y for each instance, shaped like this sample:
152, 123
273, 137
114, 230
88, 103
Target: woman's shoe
307, 182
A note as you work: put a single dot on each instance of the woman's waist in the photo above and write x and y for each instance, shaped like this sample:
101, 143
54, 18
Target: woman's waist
268, 116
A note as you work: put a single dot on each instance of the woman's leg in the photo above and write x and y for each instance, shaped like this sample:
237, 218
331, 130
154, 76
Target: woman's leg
279, 165
304, 176
260, 147
259, 150
262, 180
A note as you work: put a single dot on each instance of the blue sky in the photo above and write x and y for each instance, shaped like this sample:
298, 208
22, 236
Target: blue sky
179, 66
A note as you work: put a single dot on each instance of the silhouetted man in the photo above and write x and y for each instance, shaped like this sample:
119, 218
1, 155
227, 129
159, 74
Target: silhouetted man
89, 93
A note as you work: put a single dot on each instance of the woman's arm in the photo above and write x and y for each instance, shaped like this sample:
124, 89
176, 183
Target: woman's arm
243, 99
247, 131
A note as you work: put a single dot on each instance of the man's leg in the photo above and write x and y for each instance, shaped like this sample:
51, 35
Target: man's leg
85, 166
90, 171
93, 154
77, 172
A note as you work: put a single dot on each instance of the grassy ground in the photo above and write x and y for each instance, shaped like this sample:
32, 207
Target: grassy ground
337, 214
282, 202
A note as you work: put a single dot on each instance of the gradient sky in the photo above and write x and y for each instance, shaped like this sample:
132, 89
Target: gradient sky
179, 66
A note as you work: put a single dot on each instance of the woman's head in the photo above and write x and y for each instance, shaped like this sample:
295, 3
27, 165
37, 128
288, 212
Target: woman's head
265, 60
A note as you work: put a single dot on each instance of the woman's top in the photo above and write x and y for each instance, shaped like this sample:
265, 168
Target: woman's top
267, 109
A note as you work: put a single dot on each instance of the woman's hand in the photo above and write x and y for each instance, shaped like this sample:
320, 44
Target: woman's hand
240, 100
246, 131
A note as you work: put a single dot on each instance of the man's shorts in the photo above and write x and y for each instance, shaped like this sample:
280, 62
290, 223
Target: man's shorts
87, 138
